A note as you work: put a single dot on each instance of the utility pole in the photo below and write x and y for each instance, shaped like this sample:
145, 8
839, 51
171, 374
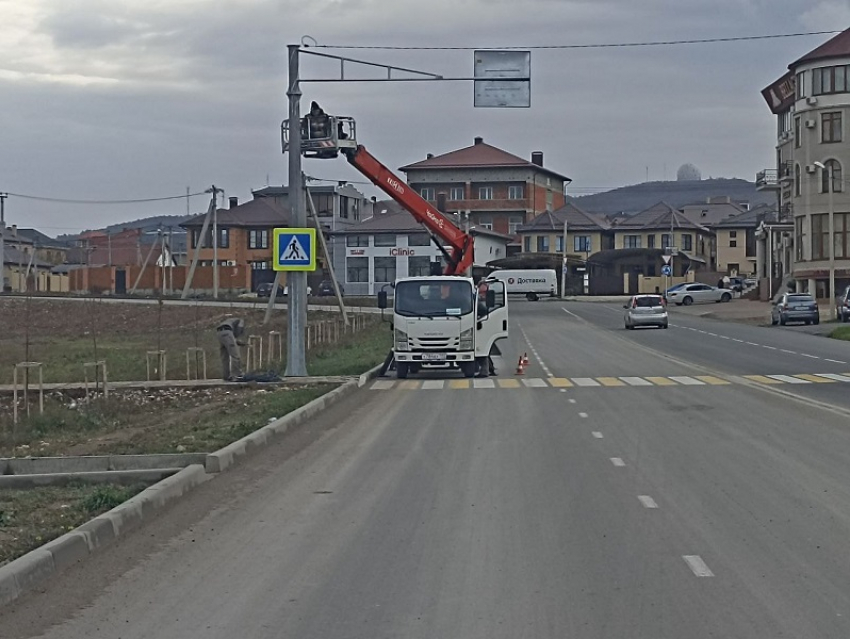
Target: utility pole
564, 261
3, 197
296, 358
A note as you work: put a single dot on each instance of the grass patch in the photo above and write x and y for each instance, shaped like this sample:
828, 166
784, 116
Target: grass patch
354, 354
30, 518
842, 332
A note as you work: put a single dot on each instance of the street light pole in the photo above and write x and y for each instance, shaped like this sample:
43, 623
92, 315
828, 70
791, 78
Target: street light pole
564, 262
831, 187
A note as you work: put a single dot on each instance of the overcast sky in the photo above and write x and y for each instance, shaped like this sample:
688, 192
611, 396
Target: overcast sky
121, 99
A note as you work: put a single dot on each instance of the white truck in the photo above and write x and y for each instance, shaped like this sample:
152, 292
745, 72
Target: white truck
446, 322
532, 283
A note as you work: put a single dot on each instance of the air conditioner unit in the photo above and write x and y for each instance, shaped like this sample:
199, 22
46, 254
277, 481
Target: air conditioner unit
811, 124
811, 101
230, 263
811, 168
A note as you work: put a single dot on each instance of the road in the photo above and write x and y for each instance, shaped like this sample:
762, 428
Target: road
632, 484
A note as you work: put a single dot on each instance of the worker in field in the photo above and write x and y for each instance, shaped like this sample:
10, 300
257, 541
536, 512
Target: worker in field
229, 331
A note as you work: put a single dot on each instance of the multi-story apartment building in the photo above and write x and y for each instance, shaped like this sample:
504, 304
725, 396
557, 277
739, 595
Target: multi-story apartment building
496, 190
811, 103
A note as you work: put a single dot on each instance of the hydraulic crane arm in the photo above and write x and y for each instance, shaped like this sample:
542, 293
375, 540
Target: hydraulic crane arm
445, 232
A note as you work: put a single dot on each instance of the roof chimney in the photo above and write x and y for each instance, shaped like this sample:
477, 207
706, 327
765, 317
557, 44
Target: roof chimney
234, 201
537, 158
479, 140
429, 156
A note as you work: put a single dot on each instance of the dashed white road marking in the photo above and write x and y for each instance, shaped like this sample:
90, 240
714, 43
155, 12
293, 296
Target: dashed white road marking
535, 382
383, 384
484, 383
434, 384
752, 343
810, 356
697, 565
740, 341
572, 401
772, 348
789, 380
785, 350
571, 313
583, 415
836, 377
585, 381
617, 461
563, 390
647, 501
636, 381
834, 361
687, 381
597, 434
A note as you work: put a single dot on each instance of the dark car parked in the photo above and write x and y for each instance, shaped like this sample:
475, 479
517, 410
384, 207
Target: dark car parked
326, 288
795, 307
842, 306
265, 290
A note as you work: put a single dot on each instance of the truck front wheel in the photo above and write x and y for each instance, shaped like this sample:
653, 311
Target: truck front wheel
468, 369
401, 369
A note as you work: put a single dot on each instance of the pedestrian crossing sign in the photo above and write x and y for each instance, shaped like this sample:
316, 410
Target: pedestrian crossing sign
294, 249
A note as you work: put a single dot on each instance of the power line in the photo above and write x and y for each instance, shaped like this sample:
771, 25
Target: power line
136, 201
657, 43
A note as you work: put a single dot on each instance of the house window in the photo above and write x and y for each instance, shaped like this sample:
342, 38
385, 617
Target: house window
224, 238
797, 180
357, 240
797, 129
665, 241
836, 177
258, 239
842, 235
513, 225
820, 236
650, 240
542, 243
631, 241
261, 266
583, 244
457, 193
516, 192
418, 266
733, 234
485, 193
733, 243
829, 80
385, 269
801, 85
799, 238
486, 225
419, 239
526, 244
831, 126
559, 244
688, 242
427, 193
385, 239
324, 203
357, 269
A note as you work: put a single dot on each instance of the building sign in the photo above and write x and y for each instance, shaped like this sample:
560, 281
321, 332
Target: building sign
781, 94
402, 251
357, 252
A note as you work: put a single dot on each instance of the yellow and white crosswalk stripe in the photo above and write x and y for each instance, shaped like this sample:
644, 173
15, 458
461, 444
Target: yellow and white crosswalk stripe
604, 382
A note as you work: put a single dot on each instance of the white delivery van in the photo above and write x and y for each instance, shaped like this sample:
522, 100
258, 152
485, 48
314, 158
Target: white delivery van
532, 283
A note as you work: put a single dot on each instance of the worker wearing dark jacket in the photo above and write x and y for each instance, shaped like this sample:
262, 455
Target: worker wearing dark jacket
229, 332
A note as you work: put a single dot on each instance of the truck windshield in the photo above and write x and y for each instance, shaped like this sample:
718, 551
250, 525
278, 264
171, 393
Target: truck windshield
432, 299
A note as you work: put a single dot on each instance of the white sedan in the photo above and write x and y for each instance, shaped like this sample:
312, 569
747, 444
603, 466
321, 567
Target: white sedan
697, 293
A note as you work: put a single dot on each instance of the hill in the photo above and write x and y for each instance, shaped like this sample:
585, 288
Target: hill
639, 197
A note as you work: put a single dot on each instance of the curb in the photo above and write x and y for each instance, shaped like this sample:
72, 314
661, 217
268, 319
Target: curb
224, 458
31, 570
120, 477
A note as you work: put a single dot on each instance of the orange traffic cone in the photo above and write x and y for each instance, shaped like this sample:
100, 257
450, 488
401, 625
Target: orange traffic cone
519, 367
525, 361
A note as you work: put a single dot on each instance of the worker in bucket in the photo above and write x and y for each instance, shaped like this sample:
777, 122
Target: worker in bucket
229, 331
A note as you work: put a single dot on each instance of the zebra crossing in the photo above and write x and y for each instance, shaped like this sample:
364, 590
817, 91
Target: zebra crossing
604, 382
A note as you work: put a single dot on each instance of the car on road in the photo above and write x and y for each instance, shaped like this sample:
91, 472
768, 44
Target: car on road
842, 306
736, 284
696, 293
795, 307
645, 310
326, 289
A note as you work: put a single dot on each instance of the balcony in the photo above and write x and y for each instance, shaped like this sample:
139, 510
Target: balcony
767, 180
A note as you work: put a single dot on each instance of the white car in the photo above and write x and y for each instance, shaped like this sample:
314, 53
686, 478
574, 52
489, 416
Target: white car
645, 310
698, 293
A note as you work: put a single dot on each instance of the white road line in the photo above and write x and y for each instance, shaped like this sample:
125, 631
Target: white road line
740, 341
571, 313
725, 337
434, 384
636, 381
382, 385
834, 361
618, 462
563, 390
583, 415
810, 356
647, 501
585, 381
714, 334
697, 565
837, 378
597, 434
752, 343
789, 380
785, 350
687, 381
535, 382
772, 348
572, 401
483, 383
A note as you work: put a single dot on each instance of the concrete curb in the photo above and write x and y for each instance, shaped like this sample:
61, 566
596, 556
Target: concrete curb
31, 570
224, 458
121, 477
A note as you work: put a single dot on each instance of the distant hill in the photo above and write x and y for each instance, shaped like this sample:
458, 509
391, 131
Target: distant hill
639, 197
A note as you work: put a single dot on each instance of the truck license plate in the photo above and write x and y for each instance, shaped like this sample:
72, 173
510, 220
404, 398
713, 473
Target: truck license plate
433, 357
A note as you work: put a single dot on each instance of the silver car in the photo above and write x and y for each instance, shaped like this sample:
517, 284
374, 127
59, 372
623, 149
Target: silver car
795, 307
645, 310
696, 293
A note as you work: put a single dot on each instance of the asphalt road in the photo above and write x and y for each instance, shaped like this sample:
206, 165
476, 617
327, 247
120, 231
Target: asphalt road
588, 498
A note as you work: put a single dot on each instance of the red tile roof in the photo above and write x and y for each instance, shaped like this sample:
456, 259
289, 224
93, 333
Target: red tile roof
479, 155
838, 46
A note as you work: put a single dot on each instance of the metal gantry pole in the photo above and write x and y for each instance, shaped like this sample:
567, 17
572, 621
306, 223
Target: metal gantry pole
296, 355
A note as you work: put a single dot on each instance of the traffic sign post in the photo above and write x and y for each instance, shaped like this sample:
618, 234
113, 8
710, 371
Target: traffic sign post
666, 270
294, 250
